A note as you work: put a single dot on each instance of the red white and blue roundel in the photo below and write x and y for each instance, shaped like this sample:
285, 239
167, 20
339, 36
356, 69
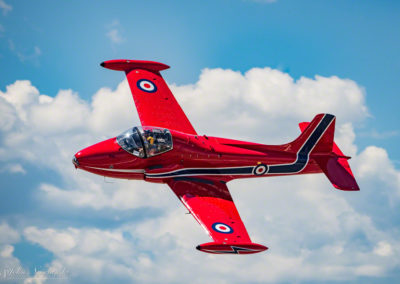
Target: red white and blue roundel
146, 86
222, 228
260, 169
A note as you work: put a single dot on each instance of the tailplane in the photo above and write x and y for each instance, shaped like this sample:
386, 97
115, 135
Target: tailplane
331, 159
314, 143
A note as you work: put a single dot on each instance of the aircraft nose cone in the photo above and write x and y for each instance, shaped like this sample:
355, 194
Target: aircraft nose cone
102, 154
81, 158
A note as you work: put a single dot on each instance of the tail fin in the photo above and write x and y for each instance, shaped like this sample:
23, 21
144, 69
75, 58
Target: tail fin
330, 158
317, 136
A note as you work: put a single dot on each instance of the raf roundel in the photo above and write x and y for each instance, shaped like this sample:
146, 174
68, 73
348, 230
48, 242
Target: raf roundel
260, 170
222, 228
146, 86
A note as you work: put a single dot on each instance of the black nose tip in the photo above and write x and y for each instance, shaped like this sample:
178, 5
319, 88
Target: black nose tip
75, 162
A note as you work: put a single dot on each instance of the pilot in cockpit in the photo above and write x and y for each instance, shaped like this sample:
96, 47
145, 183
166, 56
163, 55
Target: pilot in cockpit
145, 142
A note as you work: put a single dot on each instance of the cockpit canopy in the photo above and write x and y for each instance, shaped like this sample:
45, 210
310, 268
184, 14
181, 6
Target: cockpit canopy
145, 142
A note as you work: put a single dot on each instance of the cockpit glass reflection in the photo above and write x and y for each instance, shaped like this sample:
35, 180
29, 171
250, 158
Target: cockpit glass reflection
145, 141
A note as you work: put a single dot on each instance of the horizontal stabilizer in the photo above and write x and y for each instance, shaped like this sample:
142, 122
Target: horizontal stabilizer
338, 175
234, 248
335, 165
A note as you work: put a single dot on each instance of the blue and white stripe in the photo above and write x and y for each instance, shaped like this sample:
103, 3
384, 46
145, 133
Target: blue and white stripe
302, 158
304, 152
297, 166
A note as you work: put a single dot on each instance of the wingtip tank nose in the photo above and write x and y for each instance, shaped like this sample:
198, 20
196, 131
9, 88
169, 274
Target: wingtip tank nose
75, 162
233, 248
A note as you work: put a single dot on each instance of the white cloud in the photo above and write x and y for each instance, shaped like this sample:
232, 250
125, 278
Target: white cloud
248, 106
315, 233
114, 33
5, 7
314, 241
40, 277
21, 95
8, 115
50, 116
383, 249
373, 164
7, 234
50, 239
13, 169
7, 251
96, 194
115, 36
10, 266
87, 253
112, 109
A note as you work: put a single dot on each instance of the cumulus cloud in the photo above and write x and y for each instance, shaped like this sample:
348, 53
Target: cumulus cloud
13, 169
7, 234
315, 243
383, 249
39, 278
375, 166
266, 101
10, 266
88, 253
315, 233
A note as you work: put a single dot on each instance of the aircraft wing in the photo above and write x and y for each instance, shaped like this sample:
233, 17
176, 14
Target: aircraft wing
154, 101
211, 204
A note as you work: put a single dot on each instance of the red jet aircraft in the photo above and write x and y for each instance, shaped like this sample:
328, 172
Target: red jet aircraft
167, 149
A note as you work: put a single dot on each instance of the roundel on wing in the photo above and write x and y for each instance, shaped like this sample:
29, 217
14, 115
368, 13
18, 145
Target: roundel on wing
222, 228
146, 86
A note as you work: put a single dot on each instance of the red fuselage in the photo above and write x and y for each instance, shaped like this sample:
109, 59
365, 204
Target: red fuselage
191, 155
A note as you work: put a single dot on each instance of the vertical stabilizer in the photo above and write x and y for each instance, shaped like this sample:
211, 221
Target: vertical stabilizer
331, 160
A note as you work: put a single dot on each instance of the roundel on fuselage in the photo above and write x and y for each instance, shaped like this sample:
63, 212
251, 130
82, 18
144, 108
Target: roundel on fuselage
260, 169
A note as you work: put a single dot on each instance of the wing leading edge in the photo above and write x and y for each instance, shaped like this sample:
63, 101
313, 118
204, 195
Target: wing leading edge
211, 204
155, 103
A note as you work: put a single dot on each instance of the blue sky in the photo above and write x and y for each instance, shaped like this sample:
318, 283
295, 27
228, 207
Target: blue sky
59, 45
356, 40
